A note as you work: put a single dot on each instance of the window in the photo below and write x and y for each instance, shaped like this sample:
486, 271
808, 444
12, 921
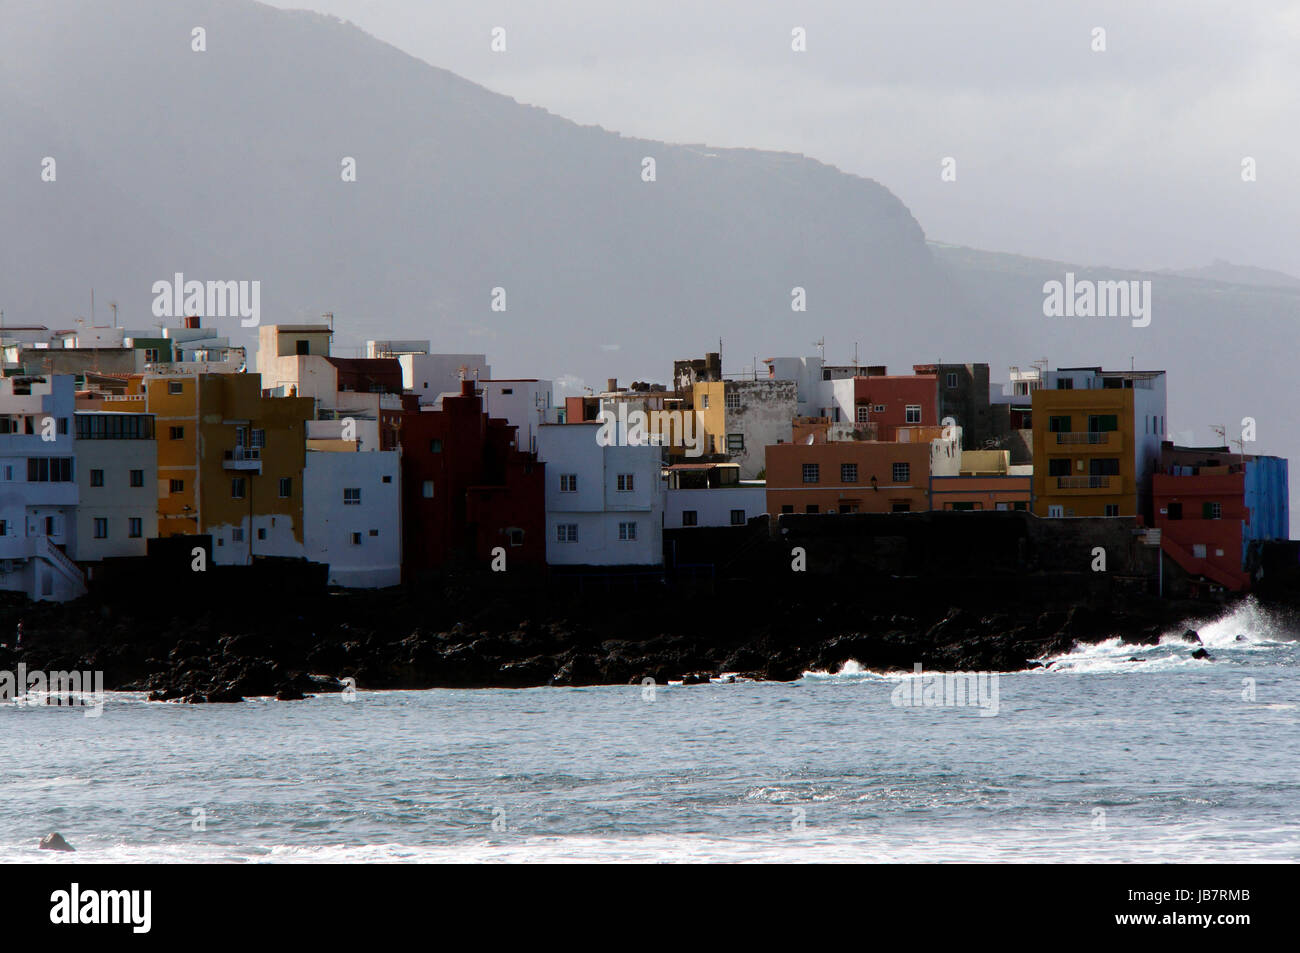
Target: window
352, 496
101, 528
1102, 423
964, 507
1175, 511
901, 472
49, 469
1211, 511
1020, 506
49, 526
568, 483
1104, 466
237, 534
787, 508
515, 535
863, 412
238, 486
626, 482
61, 425
690, 518
879, 409
735, 443
176, 433
951, 380
151, 355
1058, 424
1198, 550
135, 527
176, 486
286, 487
375, 532
811, 473
1058, 467
704, 402
258, 440
848, 473
900, 507
4, 527
912, 414
507, 390
301, 346
812, 508
175, 387
566, 532
737, 517
137, 478
1064, 383
1056, 510
356, 539
261, 532
1112, 509
96, 477
9, 472
435, 445
731, 400
627, 532
387, 478
427, 489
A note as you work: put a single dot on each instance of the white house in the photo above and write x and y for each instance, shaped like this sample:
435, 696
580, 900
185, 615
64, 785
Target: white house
352, 516
117, 482
429, 376
604, 504
526, 404
38, 487
711, 494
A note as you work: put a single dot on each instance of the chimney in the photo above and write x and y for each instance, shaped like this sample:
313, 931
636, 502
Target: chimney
466, 388
611, 384
191, 321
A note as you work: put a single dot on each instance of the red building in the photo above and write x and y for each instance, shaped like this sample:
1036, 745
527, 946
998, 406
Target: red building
467, 488
891, 401
1201, 512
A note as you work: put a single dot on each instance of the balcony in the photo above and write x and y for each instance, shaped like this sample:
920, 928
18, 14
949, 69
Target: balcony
1084, 482
1098, 439
243, 458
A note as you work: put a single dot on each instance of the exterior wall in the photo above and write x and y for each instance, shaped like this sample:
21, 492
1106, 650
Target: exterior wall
466, 489
1221, 536
888, 397
814, 395
709, 398
116, 501
713, 506
786, 486
430, 375
271, 525
1082, 493
524, 404
597, 507
984, 492
362, 541
761, 413
39, 515
964, 396
1267, 499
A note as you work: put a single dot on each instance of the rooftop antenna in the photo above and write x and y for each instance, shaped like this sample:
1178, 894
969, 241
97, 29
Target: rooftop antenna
820, 344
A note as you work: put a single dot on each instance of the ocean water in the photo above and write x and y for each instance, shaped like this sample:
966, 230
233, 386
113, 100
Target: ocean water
1096, 758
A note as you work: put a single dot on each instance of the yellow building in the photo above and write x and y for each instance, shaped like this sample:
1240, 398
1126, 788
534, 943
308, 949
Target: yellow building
230, 461
1097, 441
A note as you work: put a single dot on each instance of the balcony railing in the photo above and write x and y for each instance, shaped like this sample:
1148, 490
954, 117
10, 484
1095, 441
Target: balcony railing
243, 458
1082, 483
1100, 437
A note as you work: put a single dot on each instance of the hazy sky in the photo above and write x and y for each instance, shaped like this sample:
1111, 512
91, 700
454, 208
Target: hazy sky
1131, 156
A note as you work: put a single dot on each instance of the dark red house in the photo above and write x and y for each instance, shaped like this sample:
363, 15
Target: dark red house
467, 489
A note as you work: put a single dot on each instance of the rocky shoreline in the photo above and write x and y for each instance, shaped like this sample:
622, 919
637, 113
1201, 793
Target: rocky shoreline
471, 632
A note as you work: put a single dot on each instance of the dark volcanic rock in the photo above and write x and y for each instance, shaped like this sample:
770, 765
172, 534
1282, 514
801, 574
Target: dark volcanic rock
55, 841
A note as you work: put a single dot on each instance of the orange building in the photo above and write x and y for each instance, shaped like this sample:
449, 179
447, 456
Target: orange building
856, 476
